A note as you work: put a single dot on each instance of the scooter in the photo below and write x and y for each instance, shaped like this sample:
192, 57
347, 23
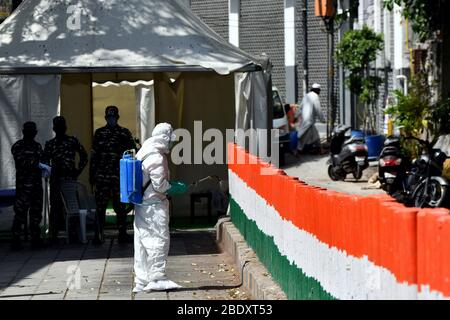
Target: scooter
348, 155
393, 169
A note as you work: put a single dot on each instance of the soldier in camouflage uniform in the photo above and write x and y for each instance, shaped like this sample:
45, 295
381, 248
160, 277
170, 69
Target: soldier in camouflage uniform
110, 142
27, 155
60, 153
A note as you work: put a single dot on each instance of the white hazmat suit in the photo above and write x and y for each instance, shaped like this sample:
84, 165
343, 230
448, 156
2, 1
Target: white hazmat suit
310, 111
151, 225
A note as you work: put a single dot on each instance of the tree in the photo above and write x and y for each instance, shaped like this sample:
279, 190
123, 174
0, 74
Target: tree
355, 52
426, 16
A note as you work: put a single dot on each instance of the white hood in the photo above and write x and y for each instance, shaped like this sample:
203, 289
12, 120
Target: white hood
155, 165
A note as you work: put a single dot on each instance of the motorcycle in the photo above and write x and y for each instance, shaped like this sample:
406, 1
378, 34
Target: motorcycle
348, 155
431, 189
418, 183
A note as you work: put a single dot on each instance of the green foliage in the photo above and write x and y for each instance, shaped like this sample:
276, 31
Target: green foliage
440, 117
358, 48
415, 115
425, 15
355, 52
412, 111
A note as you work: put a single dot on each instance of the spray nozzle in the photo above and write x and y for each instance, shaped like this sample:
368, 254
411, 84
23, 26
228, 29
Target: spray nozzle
130, 153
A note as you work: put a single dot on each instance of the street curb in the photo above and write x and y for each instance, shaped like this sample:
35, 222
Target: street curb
255, 277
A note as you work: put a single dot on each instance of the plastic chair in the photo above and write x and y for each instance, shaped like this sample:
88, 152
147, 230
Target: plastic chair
73, 194
86, 202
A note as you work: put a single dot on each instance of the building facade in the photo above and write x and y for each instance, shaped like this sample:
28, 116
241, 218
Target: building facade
394, 64
277, 28
296, 41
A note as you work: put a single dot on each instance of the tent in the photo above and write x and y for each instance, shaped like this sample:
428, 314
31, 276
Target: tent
52, 51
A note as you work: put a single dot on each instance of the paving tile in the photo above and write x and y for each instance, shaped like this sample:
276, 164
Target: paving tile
106, 272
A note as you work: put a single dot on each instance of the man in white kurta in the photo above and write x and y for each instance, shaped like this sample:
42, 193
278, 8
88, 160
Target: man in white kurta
309, 112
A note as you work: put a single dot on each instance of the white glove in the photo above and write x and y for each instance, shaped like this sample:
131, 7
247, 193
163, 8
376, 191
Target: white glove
46, 170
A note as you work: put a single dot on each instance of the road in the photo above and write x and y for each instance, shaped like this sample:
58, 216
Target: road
313, 170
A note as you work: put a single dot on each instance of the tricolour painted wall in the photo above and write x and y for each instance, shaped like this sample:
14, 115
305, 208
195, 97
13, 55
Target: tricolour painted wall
320, 244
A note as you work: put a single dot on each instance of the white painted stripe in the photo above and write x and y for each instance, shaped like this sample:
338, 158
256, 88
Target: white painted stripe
341, 275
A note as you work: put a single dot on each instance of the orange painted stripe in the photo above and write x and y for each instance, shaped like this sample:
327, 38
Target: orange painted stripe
412, 244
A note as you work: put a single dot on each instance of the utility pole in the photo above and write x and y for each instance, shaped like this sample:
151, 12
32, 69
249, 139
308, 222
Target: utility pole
305, 48
326, 9
331, 102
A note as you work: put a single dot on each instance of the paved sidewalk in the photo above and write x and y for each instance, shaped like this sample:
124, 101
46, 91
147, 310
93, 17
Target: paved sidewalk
314, 170
86, 272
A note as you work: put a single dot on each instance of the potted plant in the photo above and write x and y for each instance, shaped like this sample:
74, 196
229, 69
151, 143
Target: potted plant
356, 51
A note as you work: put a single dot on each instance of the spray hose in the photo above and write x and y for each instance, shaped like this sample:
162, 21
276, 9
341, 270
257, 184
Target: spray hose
176, 187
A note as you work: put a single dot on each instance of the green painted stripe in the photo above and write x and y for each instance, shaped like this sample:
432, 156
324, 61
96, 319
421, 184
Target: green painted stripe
292, 280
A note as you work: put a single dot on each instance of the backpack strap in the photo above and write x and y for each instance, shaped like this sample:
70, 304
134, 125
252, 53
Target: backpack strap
149, 182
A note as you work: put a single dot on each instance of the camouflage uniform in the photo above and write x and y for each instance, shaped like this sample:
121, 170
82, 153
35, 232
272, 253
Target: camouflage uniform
110, 142
59, 153
29, 193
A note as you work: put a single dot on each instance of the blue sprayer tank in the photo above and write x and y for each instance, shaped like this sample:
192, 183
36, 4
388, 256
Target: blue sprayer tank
130, 179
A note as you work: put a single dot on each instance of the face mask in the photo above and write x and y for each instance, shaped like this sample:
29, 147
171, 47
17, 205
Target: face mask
29, 135
60, 130
111, 121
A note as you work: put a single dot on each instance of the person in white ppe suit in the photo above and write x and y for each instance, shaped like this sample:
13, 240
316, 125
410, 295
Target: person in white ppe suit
310, 110
151, 225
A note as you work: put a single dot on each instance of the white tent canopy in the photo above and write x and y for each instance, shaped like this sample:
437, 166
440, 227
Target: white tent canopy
60, 36
69, 45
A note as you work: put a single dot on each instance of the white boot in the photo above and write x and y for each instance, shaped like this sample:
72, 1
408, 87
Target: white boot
161, 285
139, 288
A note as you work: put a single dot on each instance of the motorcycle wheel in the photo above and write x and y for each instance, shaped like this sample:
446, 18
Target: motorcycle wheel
333, 176
358, 173
437, 195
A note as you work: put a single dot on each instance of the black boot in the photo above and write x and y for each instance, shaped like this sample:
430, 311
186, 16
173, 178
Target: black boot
16, 244
124, 237
54, 241
97, 241
99, 237
37, 244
